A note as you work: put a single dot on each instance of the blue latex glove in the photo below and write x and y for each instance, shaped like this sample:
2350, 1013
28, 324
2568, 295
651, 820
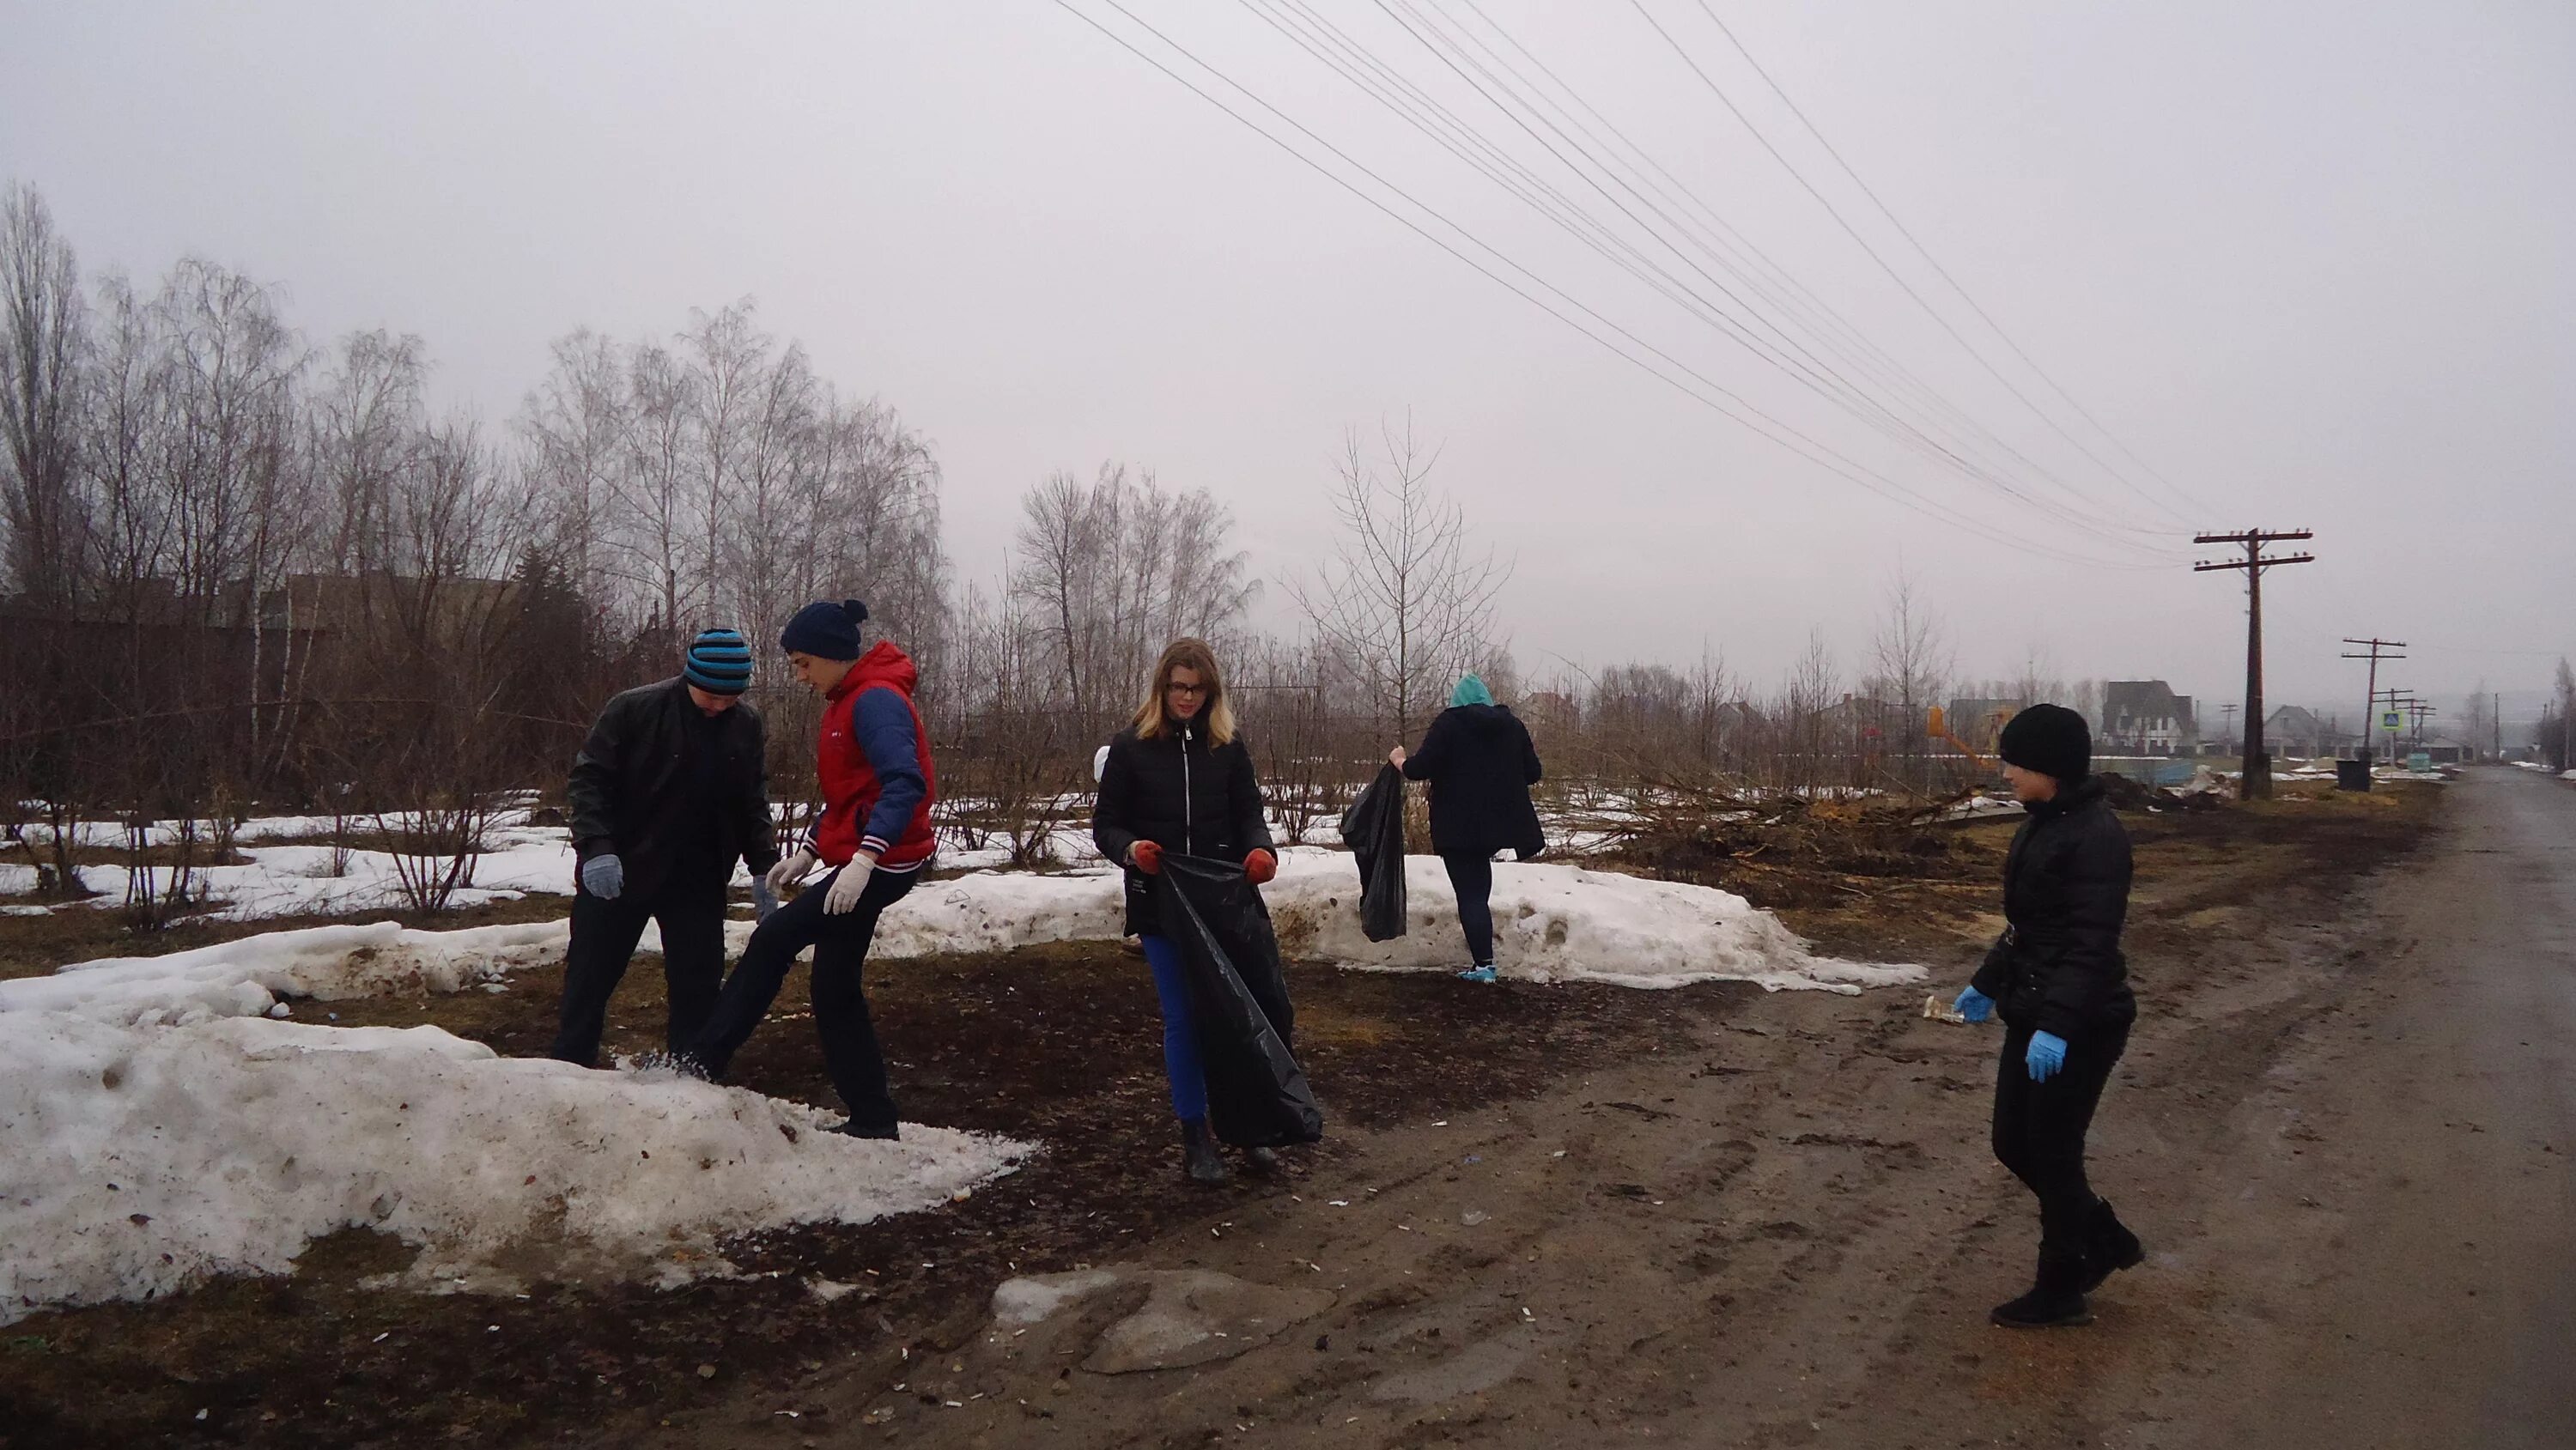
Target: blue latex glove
1974, 1005
603, 876
763, 900
2047, 1054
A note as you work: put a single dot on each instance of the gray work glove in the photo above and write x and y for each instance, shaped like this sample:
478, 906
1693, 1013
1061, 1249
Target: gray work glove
603, 876
791, 868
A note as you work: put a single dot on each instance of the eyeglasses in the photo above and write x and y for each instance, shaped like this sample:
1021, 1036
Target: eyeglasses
1187, 689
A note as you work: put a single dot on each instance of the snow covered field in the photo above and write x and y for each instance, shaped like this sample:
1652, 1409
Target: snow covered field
297, 879
1553, 924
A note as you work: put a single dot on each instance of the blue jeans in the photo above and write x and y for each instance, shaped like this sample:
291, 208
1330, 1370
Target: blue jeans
1180, 1035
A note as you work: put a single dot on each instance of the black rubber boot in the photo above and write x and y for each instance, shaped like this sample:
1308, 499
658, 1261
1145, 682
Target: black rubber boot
2109, 1247
856, 1129
1261, 1160
1199, 1157
2056, 1301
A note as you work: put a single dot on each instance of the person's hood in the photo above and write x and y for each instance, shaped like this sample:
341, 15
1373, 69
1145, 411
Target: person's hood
883, 664
1484, 719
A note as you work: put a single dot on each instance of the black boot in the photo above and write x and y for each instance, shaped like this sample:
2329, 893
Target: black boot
2109, 1247
1199, 1157
856, 1129
1261, 1160
2055, 1302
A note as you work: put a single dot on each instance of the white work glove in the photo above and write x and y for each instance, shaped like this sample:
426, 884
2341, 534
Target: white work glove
790, 870
847, 886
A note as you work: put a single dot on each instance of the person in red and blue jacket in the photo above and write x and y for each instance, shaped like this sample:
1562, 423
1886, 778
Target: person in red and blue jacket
873, 760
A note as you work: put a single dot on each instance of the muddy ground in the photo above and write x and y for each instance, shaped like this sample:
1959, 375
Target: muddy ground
1711, 1215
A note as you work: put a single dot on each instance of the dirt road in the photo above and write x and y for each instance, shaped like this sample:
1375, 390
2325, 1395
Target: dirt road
2347, 1128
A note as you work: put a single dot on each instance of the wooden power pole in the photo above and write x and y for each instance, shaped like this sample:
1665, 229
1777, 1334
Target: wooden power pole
2378, 648
2255, 783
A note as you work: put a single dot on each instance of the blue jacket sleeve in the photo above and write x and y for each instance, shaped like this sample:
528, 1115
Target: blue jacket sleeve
884, 727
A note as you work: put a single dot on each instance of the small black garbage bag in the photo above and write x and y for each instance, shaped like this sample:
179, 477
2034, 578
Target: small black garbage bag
1374, 830
1257, 1094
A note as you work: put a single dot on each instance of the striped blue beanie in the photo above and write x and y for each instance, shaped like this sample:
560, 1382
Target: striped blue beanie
719, 662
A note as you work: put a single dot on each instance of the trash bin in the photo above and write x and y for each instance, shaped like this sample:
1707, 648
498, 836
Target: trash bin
2352, 774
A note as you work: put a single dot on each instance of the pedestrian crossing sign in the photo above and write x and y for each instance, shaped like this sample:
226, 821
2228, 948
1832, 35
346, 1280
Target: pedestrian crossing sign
2392, 719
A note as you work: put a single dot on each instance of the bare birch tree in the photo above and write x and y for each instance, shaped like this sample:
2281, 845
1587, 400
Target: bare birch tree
1406, 597
41, 343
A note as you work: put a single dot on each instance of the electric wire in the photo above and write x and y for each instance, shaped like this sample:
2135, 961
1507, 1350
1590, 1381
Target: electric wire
1755, 268
1409, 102
1733, 407
1898, 278
1943, 272
1923, 443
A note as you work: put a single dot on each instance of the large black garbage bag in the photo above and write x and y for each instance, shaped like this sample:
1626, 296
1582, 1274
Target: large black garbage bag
1257, 1094
1374, 830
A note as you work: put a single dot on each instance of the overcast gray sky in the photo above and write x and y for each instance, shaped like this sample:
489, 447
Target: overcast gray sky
2314, 263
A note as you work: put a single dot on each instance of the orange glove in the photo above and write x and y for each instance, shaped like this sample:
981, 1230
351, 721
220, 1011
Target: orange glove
1259, 867
1148, 858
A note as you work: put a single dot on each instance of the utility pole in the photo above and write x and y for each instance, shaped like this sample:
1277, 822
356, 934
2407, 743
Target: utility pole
2256, 781
2392, 701
2421, 711
2227, 724
2377, 648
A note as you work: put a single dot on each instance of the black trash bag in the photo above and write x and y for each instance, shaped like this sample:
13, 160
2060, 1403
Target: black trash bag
1257, 1094
1374, 830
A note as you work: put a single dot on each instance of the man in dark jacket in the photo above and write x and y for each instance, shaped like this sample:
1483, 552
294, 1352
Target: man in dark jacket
2062, 984
1480, 764
669, 791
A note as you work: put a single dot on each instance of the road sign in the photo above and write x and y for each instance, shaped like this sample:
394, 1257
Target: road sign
2419, 761
2392, 719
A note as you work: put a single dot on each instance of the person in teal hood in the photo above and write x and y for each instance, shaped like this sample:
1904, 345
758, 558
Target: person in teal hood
1479, 763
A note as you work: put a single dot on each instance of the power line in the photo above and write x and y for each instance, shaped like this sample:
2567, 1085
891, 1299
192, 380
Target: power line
1735, 407
1415, 24
1836, 332
1935, 263
1893, 275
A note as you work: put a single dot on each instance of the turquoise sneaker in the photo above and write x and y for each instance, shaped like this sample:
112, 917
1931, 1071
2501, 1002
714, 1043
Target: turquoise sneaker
1477, 974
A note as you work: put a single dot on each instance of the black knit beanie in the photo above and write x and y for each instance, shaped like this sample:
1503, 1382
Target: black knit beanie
2050, 739
825, 630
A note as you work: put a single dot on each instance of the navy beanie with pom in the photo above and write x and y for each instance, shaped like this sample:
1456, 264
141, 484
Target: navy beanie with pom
825, 630
2050, 739
718, 662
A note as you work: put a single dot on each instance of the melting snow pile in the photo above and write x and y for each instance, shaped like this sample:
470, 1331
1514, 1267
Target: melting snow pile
135, 1161
1562, 924
1552, 924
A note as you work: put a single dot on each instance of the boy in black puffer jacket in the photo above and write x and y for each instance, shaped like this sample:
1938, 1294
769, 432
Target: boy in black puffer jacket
2063, 986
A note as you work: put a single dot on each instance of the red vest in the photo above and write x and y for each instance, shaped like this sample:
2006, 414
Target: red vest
850, 785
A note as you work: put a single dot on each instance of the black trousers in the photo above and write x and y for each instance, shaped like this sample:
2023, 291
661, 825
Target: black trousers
604, 934
840, 943
1473, 877
2040, 1128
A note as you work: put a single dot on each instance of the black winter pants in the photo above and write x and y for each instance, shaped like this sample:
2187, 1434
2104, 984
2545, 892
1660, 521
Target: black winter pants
840, 944
2040, 1127
1473, 877
604, 934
